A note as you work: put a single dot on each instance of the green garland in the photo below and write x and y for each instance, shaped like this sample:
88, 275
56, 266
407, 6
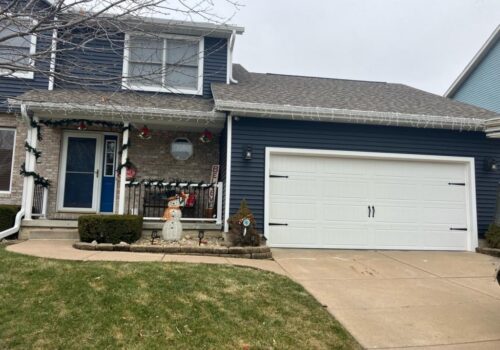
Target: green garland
128, 164
33, 150
39, 180
159, 183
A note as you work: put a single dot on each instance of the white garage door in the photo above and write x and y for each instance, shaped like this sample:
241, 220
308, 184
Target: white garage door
367, 203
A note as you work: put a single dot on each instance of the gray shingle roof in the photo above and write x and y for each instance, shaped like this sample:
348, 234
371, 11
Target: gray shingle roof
323, 93
126, 99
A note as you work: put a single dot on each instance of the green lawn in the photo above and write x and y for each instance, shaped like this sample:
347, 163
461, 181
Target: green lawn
51, 304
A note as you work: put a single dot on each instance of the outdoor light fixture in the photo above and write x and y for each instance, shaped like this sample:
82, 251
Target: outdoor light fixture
490, 164
247, 153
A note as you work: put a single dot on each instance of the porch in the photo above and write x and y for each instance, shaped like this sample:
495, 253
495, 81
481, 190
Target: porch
125, 162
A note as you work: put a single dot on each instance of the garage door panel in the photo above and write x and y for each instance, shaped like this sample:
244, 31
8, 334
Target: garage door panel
394, 235
344, 188
325, 203
345, 236
293, 211
297, 235
343, 212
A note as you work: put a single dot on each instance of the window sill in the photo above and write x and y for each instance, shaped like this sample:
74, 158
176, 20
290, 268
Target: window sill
21, 75
172, 90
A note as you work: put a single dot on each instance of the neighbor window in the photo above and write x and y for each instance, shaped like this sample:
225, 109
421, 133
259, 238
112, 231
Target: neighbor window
16, 52
7, 137
169, 64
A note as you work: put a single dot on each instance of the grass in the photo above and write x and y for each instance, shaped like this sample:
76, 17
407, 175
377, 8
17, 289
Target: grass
53, 304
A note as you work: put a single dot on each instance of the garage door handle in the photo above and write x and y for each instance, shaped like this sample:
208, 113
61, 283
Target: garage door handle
369, 211
277, 224
458, 228
373, 210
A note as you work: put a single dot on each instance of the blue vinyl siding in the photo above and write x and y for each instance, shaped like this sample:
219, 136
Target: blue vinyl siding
12, 86
482, 87
102, 60
215, 63
247, 177
99, 61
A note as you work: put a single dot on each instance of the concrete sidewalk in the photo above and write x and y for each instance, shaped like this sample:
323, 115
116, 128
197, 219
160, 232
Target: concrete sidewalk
63, 249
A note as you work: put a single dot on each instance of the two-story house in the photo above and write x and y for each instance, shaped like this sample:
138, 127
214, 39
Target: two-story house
323, 163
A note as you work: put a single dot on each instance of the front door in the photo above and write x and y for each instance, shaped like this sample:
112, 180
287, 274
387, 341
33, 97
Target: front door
80, 167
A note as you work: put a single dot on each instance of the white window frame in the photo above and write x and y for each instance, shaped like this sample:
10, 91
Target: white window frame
20, 73
126, 54
13, 160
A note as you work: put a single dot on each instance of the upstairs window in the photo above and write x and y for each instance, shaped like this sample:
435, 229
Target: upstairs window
16, 51
7, 137
166, 64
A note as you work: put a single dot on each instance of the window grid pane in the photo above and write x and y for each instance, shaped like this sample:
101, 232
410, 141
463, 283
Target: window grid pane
177, 68
6, 158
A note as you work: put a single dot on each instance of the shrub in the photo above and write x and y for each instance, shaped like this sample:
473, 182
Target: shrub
235, 234
110, 228
7, 216
493, 236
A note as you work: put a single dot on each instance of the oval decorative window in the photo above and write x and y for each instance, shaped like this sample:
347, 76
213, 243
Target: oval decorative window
181, 148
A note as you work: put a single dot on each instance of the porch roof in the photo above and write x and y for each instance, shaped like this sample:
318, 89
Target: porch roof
127, 105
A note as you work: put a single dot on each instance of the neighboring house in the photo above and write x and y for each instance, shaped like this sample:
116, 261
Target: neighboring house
479, 83
323, 163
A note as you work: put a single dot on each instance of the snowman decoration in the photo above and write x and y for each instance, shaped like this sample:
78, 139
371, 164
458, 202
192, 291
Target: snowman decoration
172, 229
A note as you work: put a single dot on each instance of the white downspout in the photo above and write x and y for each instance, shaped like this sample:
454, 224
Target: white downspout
230, 58
20, 213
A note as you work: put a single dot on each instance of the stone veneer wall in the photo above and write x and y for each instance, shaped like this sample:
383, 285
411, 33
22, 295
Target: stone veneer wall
151, 157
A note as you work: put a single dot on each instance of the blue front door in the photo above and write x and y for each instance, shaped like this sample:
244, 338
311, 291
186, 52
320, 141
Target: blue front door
108, 174
80, 173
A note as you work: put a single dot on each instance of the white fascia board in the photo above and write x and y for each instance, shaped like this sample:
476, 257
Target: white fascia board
349, 116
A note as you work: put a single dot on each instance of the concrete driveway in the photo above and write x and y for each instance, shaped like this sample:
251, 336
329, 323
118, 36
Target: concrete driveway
399, 299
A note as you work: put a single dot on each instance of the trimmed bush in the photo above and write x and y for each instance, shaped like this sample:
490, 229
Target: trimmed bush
7, 216
493, 236
110, 228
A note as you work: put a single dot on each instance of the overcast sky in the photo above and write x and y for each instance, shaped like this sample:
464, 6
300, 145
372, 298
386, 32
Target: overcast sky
422, 43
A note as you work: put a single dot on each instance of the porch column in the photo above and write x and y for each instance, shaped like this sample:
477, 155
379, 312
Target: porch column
123, 171
30, 164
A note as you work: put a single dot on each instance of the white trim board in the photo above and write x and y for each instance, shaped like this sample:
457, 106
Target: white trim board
229, 146
472, 239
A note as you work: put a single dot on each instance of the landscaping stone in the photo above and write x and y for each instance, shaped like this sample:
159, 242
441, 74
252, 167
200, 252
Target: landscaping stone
84, 246
104, 246
489, 251
262, 255
121, 247
212, 247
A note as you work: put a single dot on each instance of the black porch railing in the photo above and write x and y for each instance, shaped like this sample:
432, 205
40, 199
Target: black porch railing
149, 199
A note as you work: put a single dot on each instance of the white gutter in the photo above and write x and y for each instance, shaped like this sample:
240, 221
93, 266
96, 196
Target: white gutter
230, 59
349, 116
21, 212
120, 111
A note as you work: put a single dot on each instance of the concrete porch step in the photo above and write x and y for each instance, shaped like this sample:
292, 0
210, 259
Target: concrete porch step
68, 229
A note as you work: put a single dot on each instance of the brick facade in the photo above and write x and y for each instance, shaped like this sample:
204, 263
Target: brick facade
151, 157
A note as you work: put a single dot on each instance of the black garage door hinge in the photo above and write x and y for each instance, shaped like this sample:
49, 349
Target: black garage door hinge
277, 224
279, 176
456, 183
